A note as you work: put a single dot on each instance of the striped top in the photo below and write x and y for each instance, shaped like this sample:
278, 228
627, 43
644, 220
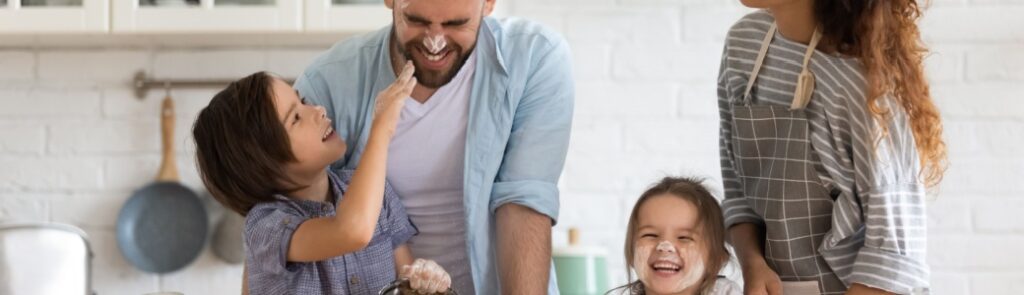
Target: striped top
878, 218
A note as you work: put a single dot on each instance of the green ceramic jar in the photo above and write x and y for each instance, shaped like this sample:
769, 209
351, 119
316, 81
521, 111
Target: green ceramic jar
580, 270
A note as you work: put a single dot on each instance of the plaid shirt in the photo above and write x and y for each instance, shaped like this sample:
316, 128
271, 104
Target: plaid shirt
268, 230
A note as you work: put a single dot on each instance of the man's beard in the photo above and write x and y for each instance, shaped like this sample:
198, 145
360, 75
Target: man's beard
428, 77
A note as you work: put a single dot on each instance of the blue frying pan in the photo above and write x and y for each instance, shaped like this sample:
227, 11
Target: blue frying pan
162, 227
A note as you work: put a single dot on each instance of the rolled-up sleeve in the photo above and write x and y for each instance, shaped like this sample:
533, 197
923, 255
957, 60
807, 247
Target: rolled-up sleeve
735, 208
539, 139
893, 201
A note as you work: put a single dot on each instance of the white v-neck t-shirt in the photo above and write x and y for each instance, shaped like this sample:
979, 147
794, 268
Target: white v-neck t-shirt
425, 167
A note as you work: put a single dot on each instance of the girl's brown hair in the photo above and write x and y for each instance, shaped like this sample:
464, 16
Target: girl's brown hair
710, 222
241, 145
883, 34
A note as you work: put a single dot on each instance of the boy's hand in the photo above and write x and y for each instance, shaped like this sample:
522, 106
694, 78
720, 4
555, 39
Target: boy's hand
426, 277
391, 100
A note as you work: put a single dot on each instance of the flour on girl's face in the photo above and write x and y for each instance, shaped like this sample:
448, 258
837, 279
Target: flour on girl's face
688, 257
693, 268
640, 256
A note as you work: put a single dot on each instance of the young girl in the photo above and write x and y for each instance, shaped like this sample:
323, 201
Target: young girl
675, 241
829, 137
263, 152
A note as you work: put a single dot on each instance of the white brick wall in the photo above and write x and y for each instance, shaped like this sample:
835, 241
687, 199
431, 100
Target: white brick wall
646, 106
74, 142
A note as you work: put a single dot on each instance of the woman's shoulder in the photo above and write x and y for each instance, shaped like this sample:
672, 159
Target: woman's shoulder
758, 21
744, 39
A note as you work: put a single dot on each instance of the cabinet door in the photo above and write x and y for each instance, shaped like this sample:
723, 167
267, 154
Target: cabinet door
207, 16
358, 15
54, 16
346, 15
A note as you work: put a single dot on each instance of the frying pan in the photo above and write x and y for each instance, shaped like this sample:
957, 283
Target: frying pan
162, 227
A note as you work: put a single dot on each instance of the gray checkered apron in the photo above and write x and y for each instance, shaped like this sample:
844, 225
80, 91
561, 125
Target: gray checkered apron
775, 164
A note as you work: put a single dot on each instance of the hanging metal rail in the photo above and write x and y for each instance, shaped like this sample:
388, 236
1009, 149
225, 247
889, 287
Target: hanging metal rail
143, 84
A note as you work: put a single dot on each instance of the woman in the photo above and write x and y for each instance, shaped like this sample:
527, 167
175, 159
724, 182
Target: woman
829, 138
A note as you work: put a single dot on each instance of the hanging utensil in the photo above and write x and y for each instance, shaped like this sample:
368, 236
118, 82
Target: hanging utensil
227, 238
162, 227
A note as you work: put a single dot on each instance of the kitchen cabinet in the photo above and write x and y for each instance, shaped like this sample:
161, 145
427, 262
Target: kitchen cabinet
206, 16
356, 15
346, 15
170, 17
54, 16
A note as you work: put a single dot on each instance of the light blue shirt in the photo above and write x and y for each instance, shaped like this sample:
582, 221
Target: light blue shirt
520, 114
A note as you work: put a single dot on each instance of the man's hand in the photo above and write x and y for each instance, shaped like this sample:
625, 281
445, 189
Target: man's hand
524, 250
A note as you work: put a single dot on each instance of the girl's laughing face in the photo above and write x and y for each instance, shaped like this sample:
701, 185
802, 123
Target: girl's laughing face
669, 251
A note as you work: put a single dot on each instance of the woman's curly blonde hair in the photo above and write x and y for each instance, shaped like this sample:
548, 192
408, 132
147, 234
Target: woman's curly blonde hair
883, 34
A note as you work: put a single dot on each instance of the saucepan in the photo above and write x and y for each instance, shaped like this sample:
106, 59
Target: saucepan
401, 287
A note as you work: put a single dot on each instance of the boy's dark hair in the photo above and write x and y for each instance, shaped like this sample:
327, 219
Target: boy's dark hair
710, 222
241, 145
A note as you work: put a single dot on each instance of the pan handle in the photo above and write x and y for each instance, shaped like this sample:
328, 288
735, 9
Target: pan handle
168, 168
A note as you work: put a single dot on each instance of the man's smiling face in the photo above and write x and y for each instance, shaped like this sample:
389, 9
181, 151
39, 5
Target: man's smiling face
437, 35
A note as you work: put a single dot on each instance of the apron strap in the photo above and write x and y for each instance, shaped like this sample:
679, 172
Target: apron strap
810, 47
767, 42
805, 82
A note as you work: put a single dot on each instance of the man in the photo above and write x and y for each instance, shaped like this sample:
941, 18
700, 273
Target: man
481, 143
